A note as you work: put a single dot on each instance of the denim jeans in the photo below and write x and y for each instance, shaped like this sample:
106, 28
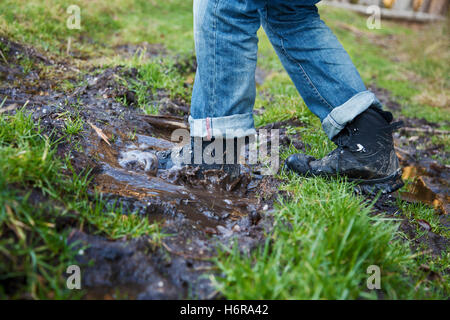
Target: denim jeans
226, 45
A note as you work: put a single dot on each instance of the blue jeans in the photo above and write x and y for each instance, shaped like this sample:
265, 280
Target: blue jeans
226, 45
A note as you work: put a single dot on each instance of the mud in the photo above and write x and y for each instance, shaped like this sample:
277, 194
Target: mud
428, 178
430, 185
287, 139
421, 161
198, 214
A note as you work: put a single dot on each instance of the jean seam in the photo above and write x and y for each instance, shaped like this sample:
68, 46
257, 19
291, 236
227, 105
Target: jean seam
336, 124
354, 96
305, 75
214, 98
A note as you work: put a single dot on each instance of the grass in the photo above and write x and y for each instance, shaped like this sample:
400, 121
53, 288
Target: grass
111, 23
35, 198
154, 77
323, 241
324, 236
73, 125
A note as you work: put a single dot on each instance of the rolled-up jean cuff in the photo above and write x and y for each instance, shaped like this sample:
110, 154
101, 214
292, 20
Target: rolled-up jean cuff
345, 113
235, 126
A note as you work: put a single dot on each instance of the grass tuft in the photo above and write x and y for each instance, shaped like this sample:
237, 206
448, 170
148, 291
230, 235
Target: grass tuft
323, 241
36, 198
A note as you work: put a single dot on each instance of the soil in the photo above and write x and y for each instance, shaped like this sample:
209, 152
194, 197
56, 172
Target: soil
199, 215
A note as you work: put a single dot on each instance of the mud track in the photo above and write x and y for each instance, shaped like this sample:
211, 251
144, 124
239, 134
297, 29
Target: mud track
197, 215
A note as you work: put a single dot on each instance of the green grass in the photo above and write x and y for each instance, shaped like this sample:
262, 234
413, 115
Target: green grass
73, 125
34, 251
322, 243
155, 76
116, 223
112, 23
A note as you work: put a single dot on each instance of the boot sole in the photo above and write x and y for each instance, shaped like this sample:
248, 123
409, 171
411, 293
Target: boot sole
386, 185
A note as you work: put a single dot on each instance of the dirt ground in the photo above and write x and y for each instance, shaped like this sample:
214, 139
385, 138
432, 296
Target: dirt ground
199, 215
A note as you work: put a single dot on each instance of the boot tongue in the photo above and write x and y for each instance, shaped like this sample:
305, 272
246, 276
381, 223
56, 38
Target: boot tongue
366, 123
385, 114
363, 129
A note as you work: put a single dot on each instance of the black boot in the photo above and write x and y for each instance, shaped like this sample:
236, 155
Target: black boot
365, 154
198, 149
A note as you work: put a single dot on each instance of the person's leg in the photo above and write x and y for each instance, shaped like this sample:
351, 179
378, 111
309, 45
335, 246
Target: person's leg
226, 49
320, 68
223, 97
333, 90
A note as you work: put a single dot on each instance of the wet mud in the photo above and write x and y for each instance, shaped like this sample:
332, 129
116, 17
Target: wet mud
427, 178
422, 162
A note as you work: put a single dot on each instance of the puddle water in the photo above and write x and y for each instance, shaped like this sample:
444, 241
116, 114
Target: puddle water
190, 210
147, 142
130, 169
145, 160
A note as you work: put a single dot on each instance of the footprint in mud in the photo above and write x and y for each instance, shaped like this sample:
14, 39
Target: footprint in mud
136, 159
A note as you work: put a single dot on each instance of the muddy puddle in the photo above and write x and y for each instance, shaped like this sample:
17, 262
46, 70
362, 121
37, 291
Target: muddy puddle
131, 169
198, 214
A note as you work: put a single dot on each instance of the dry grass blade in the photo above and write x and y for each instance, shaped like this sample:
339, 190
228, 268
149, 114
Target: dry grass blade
8, 108
99, 133
15, 225
3, 56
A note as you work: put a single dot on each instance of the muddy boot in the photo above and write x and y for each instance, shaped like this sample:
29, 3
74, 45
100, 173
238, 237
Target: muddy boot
365, 154
202, 155
206, 149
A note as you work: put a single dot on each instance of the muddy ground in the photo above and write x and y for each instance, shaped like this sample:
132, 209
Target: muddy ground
199, 215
